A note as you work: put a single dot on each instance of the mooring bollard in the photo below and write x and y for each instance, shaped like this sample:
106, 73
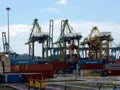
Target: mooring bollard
31, 83
36, 84
42, 85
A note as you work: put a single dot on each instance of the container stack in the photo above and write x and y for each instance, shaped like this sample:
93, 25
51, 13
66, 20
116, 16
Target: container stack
7, 66
1, 67
112, 69
12, 78
46, 69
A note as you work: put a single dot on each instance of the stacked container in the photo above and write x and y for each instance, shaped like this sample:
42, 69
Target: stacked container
46, 69
1, 67
12, 78
7, 66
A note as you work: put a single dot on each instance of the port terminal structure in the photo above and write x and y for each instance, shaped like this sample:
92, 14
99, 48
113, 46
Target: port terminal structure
98, 44
68, 47
95, 46
68, 44
68, 40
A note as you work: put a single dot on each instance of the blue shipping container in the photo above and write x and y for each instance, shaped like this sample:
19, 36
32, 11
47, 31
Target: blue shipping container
12, 78
90, 62
22, 62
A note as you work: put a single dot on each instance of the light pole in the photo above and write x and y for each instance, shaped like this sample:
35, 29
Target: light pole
8, 9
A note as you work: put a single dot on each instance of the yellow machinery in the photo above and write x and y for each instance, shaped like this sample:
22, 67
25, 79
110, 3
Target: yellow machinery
73, 51
98, 44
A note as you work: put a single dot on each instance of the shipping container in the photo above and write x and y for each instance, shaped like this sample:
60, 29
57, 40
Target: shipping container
109, 62
0, 63
1, 69
7, 62
1, 79
46, 69
15, 68
117, 61
13, 78
112, 66
7, 68
112, 72
58, 65
32, 68
91, 62
36, 68
91, 66
22, 62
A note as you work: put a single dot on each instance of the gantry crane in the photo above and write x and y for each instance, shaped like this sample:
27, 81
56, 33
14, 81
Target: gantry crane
68, 38
6, 48
36, 35
98, 44
105, 39
5, 43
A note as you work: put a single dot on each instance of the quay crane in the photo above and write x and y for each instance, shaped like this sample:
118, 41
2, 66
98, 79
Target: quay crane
98, 44
36, 35
5, 43
6, 48
68, 40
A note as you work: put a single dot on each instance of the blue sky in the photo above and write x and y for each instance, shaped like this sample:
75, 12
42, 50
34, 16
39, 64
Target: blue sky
82, 15
24, 11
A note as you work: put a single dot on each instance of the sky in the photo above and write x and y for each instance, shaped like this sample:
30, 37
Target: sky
82, 16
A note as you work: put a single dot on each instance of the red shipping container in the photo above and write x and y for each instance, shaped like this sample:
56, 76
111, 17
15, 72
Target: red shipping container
117, 61
112, 72
57, 65
34, 76
36, 68
23, 68
91, 66
15, 68
46, 69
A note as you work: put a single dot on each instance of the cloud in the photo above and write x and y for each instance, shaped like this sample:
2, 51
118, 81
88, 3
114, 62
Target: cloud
56, 30
63, 2
50, 9
19, 34
15, 30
